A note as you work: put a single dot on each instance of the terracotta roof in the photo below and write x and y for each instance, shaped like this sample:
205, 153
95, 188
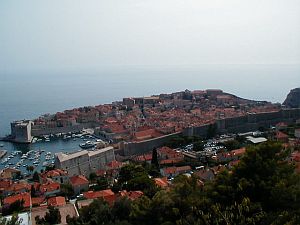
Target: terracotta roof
145, 157
238, 152
170, 170
57, 201
114, 164
132, 195
107, 195
174, 170
183, 168
296, 156
205, 174
281, 124
19, 186
281, 135
234, 163
4, 184
56, 173
169, 153
25, 196
37, 200
100, 173
169, 161
161, 182
79, 180
49, 187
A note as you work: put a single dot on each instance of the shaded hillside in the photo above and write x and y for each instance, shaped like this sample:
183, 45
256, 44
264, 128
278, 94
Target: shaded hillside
293, 99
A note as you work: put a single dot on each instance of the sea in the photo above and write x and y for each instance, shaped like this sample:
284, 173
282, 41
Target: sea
29, 95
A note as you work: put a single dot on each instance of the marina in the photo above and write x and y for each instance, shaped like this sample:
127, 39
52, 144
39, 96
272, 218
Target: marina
41, 152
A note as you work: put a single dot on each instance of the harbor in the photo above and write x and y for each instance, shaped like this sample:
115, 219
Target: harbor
40, 153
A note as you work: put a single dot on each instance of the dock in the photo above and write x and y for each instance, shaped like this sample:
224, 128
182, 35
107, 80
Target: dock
2, 153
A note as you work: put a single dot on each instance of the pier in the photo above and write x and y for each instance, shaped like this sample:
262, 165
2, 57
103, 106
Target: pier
2, 153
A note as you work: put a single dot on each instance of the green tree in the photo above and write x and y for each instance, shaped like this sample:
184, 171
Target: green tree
13, 221
134, 177
211, 131
154, 160
265, 177
121, 209
15, 207
30, 169
232, 145
33, 191
36, 177
67, 190
102, 183
93, 176
198, 146
262, 189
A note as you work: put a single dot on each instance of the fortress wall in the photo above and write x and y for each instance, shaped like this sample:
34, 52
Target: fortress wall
133, 148
240, 124
56, 130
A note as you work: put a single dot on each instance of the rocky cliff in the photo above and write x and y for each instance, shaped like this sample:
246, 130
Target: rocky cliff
293, 99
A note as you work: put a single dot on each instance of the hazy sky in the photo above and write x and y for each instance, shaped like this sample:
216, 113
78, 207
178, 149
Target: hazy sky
67, 35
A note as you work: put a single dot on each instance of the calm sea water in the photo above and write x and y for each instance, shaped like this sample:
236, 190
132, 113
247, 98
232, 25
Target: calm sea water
30, 95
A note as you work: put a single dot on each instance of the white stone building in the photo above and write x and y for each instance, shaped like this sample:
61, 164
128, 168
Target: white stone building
84, 162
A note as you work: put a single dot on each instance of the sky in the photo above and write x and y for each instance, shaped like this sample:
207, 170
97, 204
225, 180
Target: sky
66, 35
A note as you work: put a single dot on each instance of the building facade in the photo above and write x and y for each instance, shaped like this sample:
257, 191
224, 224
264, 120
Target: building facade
21, 131
84, 162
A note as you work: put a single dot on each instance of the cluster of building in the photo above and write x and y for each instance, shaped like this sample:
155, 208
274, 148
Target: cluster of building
143, 118
74, 169
50, 190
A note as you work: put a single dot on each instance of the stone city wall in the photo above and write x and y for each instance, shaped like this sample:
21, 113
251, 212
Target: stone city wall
56, 130
133, 148
250, 122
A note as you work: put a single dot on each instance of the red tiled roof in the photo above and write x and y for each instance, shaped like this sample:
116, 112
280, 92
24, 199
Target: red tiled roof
145, 157
238, 152
4, 184
169, 153
281, 135
57, 201
296, 156
234, 163
55, 173
170, 170
205, 174
281, 124
183, 168
100, 173
174, 170
169, 161
98, 194
132, 195
15, 187
49, 187
114, 164
25, 196
161, 182
107, 195
37, 200
79, 180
